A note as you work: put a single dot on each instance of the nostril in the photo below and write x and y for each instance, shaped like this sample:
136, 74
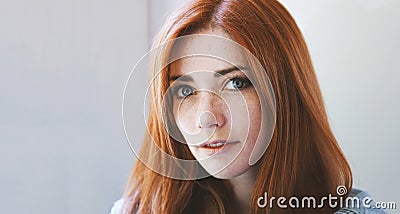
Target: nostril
206, 120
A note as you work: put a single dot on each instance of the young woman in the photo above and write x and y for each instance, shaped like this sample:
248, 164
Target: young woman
234, 91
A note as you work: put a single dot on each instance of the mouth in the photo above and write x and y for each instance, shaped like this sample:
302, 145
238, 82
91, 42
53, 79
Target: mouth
214, 146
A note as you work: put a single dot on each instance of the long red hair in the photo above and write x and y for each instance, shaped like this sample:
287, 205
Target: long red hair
303, 157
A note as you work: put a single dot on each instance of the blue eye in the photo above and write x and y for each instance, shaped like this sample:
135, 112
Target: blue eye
184, 91
237, 83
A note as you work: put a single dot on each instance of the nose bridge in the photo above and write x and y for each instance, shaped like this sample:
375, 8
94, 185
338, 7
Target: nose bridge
210, 109
209, 101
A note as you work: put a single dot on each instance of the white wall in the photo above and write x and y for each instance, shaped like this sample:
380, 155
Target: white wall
63, 68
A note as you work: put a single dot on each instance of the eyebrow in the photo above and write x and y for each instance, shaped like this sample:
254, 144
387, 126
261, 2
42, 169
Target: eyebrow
218, 72
181, 78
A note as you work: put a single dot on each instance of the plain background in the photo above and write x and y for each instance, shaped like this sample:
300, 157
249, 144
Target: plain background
63, 68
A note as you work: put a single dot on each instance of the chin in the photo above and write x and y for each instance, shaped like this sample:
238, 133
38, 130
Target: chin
227, 173
223, 176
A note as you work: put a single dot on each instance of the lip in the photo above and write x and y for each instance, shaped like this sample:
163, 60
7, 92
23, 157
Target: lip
212, 150
204, 145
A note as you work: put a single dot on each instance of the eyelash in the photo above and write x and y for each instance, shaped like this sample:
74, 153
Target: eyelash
177, 90
244, 79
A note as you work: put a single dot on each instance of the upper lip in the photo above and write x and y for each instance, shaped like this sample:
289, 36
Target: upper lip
215, 142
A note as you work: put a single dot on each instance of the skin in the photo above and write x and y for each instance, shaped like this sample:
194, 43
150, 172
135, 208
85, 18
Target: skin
211, 105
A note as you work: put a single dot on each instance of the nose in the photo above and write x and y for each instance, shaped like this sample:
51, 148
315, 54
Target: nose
211, 111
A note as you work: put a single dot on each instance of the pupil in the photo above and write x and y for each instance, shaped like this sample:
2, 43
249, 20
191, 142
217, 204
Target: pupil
186, 91
237, 83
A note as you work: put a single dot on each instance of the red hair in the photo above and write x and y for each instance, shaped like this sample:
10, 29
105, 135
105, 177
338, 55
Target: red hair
303, 157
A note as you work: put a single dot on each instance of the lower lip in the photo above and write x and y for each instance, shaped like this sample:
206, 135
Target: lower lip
214, 150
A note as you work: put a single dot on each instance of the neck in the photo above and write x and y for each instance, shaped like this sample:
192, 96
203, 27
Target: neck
243, 188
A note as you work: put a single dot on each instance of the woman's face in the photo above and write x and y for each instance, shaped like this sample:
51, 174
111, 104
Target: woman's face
216, 107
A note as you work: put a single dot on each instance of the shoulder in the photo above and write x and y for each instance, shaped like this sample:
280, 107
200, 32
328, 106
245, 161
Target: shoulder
117, 207
359, 201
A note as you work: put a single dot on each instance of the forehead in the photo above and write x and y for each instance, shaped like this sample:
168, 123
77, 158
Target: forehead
210, 50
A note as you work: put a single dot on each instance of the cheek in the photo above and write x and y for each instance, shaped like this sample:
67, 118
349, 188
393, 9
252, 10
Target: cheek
250, 122
254, 106
255, 115
247, 116
259, 134
184, 115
